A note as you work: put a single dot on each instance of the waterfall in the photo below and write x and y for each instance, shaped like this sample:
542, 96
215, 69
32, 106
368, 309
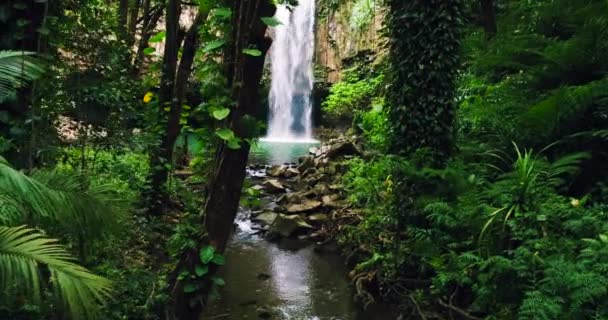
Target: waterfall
291, 58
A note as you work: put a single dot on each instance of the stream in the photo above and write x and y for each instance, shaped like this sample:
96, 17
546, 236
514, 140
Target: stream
284, 280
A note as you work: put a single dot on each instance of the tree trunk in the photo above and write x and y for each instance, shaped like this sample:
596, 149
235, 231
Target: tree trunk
132, 28
150, 19
488, 16
173, 126
123, 12
229, 173
156, 194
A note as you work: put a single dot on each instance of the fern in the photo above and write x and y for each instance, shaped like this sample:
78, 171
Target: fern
16, 69
24, 250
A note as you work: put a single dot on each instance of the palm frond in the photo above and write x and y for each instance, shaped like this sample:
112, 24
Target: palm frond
59, 201
23, 251
16, 69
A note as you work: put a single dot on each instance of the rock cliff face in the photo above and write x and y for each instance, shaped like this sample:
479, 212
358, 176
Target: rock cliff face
336, 38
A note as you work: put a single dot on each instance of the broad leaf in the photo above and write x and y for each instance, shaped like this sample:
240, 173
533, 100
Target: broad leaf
201, 270
149, 50
157, 37
225, 134
213, 45
206, 254
221, 114
218, 259
252, 52
271, 21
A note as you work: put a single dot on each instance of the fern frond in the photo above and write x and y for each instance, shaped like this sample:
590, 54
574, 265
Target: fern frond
16, 69
23, 251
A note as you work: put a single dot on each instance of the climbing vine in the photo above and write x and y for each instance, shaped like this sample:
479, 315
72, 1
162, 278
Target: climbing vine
424, 41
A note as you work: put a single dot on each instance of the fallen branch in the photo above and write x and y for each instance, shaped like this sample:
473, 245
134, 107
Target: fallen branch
422, 316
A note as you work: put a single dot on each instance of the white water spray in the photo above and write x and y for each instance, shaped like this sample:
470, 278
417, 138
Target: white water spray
292, 74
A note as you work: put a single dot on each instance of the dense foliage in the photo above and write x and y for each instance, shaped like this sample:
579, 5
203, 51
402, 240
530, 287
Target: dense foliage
424, 44
480, 191
514, 225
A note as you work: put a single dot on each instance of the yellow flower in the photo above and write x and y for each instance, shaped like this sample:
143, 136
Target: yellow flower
148, 97
575, 202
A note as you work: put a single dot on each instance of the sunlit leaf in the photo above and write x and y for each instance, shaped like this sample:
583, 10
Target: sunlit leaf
213, 45
252, 52
225, 134
157, 37
206, 254
221, 114
271, 21
149, 50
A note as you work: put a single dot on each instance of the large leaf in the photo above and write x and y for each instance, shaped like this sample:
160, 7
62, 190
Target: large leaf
24, 250
252, 52
221, 114
271, 21
16, 69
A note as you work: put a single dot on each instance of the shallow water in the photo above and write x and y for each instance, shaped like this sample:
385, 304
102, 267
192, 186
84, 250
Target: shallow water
288, 279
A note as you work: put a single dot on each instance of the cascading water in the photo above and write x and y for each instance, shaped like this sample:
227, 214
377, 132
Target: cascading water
292, 74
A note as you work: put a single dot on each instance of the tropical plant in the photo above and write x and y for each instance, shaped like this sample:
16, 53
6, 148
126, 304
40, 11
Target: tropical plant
16, 69
24, 250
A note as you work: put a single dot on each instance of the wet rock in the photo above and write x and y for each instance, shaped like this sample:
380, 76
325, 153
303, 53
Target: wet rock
263, 276
321, 189
264, 312
318, 217
276, 170
308, 205
286, 225
266, 218
330, 200
290, 173
273, 186
306, 162
308, 172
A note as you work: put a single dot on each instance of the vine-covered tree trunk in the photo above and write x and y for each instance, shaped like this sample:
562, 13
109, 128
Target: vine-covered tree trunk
222, 201
424, 45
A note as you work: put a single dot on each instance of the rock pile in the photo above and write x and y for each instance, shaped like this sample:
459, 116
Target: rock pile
305, 195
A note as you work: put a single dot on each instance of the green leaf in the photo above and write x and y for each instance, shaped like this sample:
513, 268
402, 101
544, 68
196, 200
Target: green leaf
234, 143
149, 50
190, 287
213, 45
252, 52
271, 21
157, 37
218, 281
206, 254
201, 270
218, 259
225, 134
221, 114
223, 12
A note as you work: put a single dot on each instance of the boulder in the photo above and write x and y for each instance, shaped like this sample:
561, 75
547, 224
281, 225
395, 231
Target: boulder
321, 189
318, 217
290, 173
276, 170
308, 172
341, 148
330, 200
306, 162
286, 225
266, 218
307, 205
273, 186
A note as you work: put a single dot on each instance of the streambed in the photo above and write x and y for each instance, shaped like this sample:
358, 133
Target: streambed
284, 280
